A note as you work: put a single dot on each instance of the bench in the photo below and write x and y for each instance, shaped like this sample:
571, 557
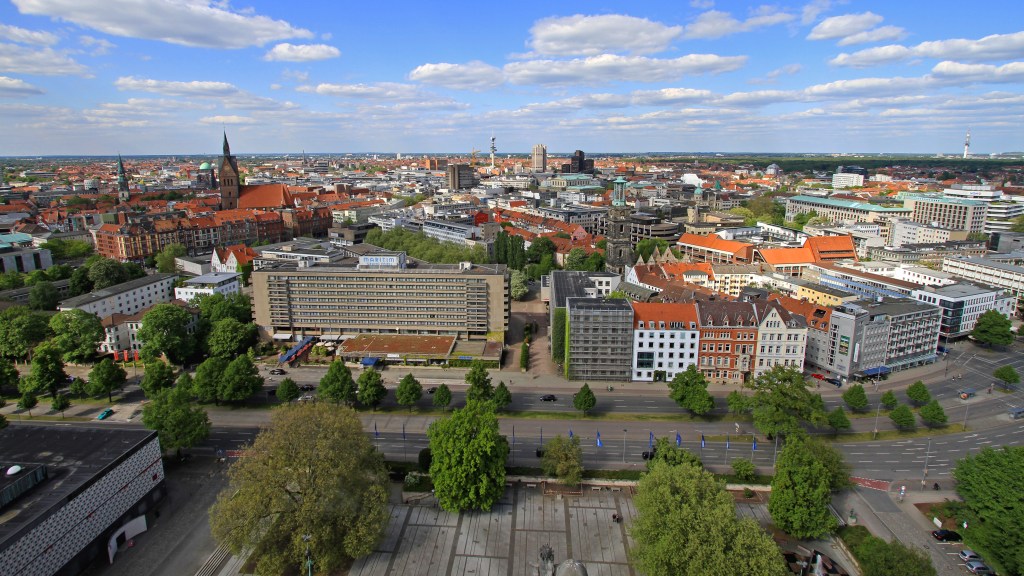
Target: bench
531, 485
615, 489
595, 488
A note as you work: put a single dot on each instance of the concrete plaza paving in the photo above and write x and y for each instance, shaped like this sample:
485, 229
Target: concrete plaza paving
422, 539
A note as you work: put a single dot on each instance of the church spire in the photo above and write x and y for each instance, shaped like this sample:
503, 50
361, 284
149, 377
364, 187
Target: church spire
227, 147
122, 180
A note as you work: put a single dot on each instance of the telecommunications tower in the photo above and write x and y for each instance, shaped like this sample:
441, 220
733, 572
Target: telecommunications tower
967, 143
493, 150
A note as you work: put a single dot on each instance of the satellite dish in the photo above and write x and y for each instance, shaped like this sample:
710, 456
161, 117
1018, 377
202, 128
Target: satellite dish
14, 470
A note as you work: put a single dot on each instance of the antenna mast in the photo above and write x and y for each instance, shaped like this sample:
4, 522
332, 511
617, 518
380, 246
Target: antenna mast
493, 150
967, 143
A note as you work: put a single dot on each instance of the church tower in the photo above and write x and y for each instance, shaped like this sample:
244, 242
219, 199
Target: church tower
229, 185
618, 252
123, 193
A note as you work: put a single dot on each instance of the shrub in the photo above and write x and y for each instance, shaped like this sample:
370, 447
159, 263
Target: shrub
743, 469
425, 458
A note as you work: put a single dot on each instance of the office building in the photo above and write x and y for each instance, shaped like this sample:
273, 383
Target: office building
665, 340
842, 180
380, 293
80, 493
578, 164
125, 298
539, 158
225, 283
599, 344
460, 176
952, 213
963, 302
841, 210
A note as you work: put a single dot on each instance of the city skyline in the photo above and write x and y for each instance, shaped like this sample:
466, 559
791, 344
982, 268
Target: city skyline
84, 77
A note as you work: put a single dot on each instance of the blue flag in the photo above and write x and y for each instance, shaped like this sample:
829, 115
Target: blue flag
570, 432
726, 441
679, 439
701, 440
375, 432
403, 430
650, 441
755, 445
599, 443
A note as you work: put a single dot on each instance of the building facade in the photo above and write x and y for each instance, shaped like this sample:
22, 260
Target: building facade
963, 303
539, 158
952, 213
599, 344
225, 283
666, 340
125, 298
841, 210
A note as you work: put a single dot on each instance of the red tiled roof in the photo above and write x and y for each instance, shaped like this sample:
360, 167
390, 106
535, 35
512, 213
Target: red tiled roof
665, 312
265, 196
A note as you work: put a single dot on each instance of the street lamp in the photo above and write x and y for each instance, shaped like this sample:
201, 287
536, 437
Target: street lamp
623, 445
927, 453
309, 557
967, 408
877, 412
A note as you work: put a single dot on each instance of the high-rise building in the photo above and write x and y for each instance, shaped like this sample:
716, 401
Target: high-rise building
460, 176
539, 158
579, 164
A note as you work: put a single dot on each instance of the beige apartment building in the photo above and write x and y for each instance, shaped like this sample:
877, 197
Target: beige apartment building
381, 293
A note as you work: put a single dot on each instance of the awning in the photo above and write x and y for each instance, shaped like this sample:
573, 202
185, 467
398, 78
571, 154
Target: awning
283, 336
369, 361
877, 371
330, 337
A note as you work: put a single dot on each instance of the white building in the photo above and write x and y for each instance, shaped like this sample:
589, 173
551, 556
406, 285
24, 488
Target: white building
1005, 271
782, 337
963, 303
665, 340
454, 232
125, 298
844, 180
225, 283
903, 231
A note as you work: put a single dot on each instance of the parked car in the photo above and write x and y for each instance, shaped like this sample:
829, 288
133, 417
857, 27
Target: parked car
647, 455
946, 535
278, 372
105, 414
307, 387
967, 555
979, 567
432, 389
549, 398
835, 382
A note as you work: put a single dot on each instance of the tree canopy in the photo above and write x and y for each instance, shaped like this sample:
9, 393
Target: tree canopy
502, 396
228, 337
287, 391
159, 375
933, 415
294, 481
164, 331
856, 398
563, 459
165, 258
584, 400
993, 329
689, 389
337, 384
105, 377
178, 423
20, 331
418, 245
43, 296
1007, 374
240, 380
918, 393
468, 465
442, 396
902, 417
371, 388
47, 371
77, 334
991, 482
782, 402
409, 391
480, 387
665, 450
686, 524
801, 492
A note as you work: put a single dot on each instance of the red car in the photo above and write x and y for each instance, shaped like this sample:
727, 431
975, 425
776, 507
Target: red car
818, 376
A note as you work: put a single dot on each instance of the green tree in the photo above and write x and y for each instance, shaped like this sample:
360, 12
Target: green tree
502, 396
877, 557
216, 307
902, 417
164, 331
1008, 374
517, 285
27, 402
371, 388
206, 384
77, 334
47, 371
689, 389
744, 470
990, 482
889, 400
684, 513
933, 415
409, 391
11, 280
178, 423
645, 247
20, 331
468, 466
60, 403
78, 388
480, 387
67, 249
165, 258
43, 296
80, 282
666, 451
8, 375
229, 338
337, 385
563, 459
584, 400
104, 273
801, 493
281, 490
838, 420
240, 380
558, 326
576, 259
442, 396
105, 377
738, 403
540, 249
993, 329
782, 402
288, 391
918, 393
856, 398
159, 375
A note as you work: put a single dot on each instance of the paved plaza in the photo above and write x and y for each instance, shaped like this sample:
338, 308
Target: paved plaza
422, 539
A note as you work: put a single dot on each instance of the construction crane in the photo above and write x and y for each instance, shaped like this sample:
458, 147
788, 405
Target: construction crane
472, 156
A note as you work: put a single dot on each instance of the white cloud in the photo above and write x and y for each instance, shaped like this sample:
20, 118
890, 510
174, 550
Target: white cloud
811, 10
473, 75
715, 23
772, 76
981, 73
175, 88
189, 23
39, 61
877, 35
228, 119
17, 88
845, 25
25, 36
286, 52
669, 96
611, 68
378, 91
989, 48
99, 45
581, 35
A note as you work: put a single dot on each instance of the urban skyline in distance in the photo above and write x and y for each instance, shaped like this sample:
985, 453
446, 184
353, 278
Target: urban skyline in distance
97, 78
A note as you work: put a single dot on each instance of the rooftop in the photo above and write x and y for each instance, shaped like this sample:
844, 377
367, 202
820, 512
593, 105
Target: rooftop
960, 290
114, 290
848, 204
212, 278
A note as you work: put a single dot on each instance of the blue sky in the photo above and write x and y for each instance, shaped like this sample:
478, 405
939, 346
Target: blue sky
166, 76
